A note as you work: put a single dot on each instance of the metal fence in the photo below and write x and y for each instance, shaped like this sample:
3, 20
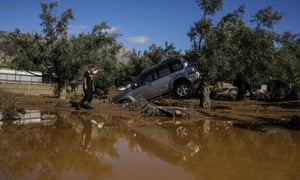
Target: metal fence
16, 76
21, 78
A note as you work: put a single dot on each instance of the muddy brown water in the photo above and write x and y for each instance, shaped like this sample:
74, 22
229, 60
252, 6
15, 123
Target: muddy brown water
64, 145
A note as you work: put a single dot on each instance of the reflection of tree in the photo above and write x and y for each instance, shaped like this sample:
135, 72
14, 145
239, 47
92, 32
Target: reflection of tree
226, 152
52, 152
49, 151
231, 153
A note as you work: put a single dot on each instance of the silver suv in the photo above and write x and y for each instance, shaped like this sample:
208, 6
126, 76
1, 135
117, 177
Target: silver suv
172, 75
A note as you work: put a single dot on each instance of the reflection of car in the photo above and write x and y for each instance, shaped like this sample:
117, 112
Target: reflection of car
173, 75
224, 90
183, 135
164, 142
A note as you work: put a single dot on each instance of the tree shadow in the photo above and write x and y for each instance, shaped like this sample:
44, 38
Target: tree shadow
263, 123
250, 126
285, 105
220, 107
259, 123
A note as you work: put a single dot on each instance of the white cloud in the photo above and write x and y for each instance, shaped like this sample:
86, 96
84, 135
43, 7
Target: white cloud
77, 29
110, 30
138, 39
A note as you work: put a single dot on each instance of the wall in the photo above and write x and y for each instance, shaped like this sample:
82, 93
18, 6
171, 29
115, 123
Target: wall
28, 89
35, 89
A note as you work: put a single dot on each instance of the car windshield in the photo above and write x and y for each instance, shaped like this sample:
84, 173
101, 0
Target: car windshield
175, 65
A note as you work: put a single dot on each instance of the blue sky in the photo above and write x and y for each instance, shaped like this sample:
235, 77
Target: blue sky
141, 22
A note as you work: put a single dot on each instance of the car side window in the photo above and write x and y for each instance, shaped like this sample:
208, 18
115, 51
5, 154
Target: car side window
147, 78
175, 65
163, 71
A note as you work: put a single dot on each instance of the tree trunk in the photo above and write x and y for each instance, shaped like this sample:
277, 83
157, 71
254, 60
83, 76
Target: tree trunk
61, 91
205, 96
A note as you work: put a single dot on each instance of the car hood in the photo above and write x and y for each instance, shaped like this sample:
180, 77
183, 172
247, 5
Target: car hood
121, 95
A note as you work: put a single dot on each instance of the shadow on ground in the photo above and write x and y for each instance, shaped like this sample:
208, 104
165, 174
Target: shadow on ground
263, 123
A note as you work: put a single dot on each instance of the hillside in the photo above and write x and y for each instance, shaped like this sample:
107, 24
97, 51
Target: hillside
3, 34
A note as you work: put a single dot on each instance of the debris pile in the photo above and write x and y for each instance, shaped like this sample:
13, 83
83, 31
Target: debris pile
143, 106
171, 102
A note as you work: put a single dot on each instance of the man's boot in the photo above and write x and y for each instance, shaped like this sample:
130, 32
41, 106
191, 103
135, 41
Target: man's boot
89, 106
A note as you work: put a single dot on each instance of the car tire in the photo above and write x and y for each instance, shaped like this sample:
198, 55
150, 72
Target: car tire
125, 103
181, 135
182, 89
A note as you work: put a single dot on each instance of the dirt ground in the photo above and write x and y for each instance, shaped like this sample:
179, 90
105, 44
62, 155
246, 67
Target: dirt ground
249, 113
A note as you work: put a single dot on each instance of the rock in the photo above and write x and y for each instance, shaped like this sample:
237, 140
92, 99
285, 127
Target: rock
178, 113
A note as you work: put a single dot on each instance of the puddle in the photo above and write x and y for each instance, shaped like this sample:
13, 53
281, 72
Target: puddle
63, 145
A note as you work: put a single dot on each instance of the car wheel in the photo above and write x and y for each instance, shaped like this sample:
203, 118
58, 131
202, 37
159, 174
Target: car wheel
125, 103
182, 132
182, 89
181, 135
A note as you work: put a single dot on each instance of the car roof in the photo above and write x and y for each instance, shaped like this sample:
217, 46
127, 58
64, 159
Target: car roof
161, 63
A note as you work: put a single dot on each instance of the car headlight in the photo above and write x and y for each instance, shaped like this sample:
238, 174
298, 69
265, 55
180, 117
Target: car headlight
197, 75
185, 64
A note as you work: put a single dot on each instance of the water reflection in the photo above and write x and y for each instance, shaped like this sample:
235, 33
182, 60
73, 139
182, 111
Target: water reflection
34, 117
233, 153
86, 140
218, 150
48, 152
90, 130
81, 146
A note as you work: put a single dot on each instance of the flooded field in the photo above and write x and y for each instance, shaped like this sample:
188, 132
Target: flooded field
77, 145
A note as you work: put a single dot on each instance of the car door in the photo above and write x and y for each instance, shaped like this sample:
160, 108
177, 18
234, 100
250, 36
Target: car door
164, 76
145, 86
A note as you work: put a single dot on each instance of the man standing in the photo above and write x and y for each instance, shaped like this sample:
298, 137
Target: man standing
88, 88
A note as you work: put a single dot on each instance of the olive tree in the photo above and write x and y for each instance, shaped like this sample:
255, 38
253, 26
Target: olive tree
55, 52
